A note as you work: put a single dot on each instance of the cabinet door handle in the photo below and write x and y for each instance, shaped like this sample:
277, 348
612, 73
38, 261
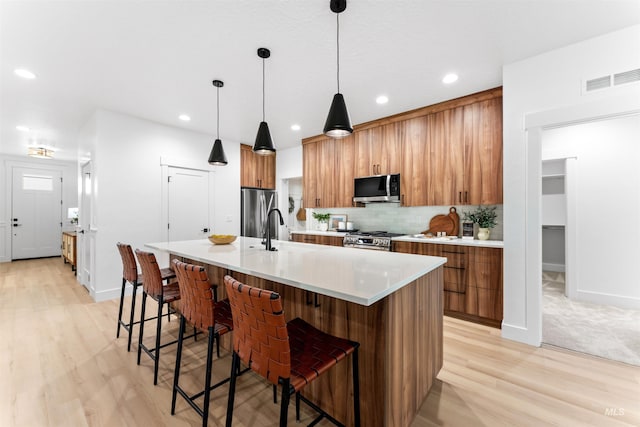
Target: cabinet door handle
460, 196
455, 268
466, 197
453, 252
402, 200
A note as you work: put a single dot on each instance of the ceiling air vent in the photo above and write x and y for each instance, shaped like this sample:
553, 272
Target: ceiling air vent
626, 77
598, 83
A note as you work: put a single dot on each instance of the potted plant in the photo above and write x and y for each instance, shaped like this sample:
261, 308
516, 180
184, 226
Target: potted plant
323, 220
485, 217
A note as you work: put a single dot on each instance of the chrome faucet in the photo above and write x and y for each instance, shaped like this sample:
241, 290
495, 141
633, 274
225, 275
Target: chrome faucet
268, 241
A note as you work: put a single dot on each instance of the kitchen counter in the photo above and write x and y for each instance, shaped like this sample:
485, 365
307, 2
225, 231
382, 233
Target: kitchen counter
391, 303
410, 238
361, 277
449, 241
320, 233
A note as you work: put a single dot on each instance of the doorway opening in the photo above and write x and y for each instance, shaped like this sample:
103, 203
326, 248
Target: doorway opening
590, 196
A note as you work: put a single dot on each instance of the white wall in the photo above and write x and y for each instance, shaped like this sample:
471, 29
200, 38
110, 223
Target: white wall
128, 190
607, 206
546, 82
69, 194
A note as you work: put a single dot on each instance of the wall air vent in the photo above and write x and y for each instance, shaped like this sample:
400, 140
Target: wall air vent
626, 77
598, 83
605, 82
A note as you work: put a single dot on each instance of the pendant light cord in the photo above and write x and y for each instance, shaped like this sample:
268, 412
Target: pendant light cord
218, 112
338, 49
263, 89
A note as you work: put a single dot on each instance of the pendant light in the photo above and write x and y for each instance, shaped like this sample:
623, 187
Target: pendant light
217, 156
338, 124
264, 144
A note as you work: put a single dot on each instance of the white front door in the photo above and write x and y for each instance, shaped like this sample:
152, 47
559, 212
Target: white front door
188, 198
36, 213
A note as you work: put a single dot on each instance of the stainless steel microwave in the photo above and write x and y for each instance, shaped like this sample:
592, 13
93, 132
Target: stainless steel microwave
379, 188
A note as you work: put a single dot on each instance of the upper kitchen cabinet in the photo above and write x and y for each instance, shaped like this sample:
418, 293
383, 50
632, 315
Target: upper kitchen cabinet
445, 157
414, 172
483, 152
377, 151
447, 154
256, 170
319, 173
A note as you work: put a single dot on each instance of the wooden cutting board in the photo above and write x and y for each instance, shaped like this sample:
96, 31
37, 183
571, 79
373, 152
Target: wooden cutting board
301, 215
440, 223
453, 214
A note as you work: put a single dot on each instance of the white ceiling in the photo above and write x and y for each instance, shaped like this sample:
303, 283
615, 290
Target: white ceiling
156, 59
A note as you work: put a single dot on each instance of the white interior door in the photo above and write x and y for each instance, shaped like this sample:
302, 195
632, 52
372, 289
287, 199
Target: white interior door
36, 213
188, 198
85, 236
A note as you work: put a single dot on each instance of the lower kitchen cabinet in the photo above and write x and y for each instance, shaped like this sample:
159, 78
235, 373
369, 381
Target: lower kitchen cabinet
317, 239
472, 279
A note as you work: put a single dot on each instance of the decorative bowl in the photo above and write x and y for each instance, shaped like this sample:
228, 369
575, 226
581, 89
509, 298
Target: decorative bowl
222, 239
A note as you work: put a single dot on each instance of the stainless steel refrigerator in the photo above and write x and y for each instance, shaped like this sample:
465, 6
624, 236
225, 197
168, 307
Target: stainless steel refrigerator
255, 204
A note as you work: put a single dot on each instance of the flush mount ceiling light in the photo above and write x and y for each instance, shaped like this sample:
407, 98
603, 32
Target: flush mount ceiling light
24, 73
264, 144
338, 124
295, 127
217, 156
382, 99
450, 78
184, 117
23, 128
40, 153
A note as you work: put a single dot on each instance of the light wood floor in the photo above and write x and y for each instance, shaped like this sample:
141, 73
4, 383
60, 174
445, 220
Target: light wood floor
61, 365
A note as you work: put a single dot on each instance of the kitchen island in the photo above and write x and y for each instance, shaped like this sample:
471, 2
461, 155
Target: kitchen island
390, 303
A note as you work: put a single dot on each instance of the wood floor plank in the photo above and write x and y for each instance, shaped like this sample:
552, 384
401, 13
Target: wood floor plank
61, 365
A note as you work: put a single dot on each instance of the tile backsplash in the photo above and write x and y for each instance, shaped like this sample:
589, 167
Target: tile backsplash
397, 219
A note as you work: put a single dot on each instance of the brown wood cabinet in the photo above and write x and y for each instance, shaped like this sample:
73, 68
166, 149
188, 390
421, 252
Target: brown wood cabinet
319, 174
447, 154
472, 279
69, 248
317, 239
256, 170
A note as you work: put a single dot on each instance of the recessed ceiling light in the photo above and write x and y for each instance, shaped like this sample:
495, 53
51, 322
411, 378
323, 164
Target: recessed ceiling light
295, 127
382, 99
450, 78
184, 117
24, 73
23, 128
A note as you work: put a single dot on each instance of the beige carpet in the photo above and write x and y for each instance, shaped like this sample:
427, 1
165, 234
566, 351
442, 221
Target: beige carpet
600, 330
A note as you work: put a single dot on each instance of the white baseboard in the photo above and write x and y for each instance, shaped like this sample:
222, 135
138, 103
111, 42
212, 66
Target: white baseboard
608, 299
547, 266
520, 334
113, 293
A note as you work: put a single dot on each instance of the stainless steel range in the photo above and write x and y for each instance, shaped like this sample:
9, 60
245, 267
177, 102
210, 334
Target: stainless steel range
377, 240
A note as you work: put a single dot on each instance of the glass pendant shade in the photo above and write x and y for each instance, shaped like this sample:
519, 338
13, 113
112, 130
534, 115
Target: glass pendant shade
217, 156
338, 124
264, 144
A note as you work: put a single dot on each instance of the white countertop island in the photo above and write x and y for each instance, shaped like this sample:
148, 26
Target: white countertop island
391, 303
355, 275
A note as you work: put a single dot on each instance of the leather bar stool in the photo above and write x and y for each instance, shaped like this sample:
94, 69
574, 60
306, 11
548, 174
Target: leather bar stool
130, 275
199, 308
291, 354
163, 294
